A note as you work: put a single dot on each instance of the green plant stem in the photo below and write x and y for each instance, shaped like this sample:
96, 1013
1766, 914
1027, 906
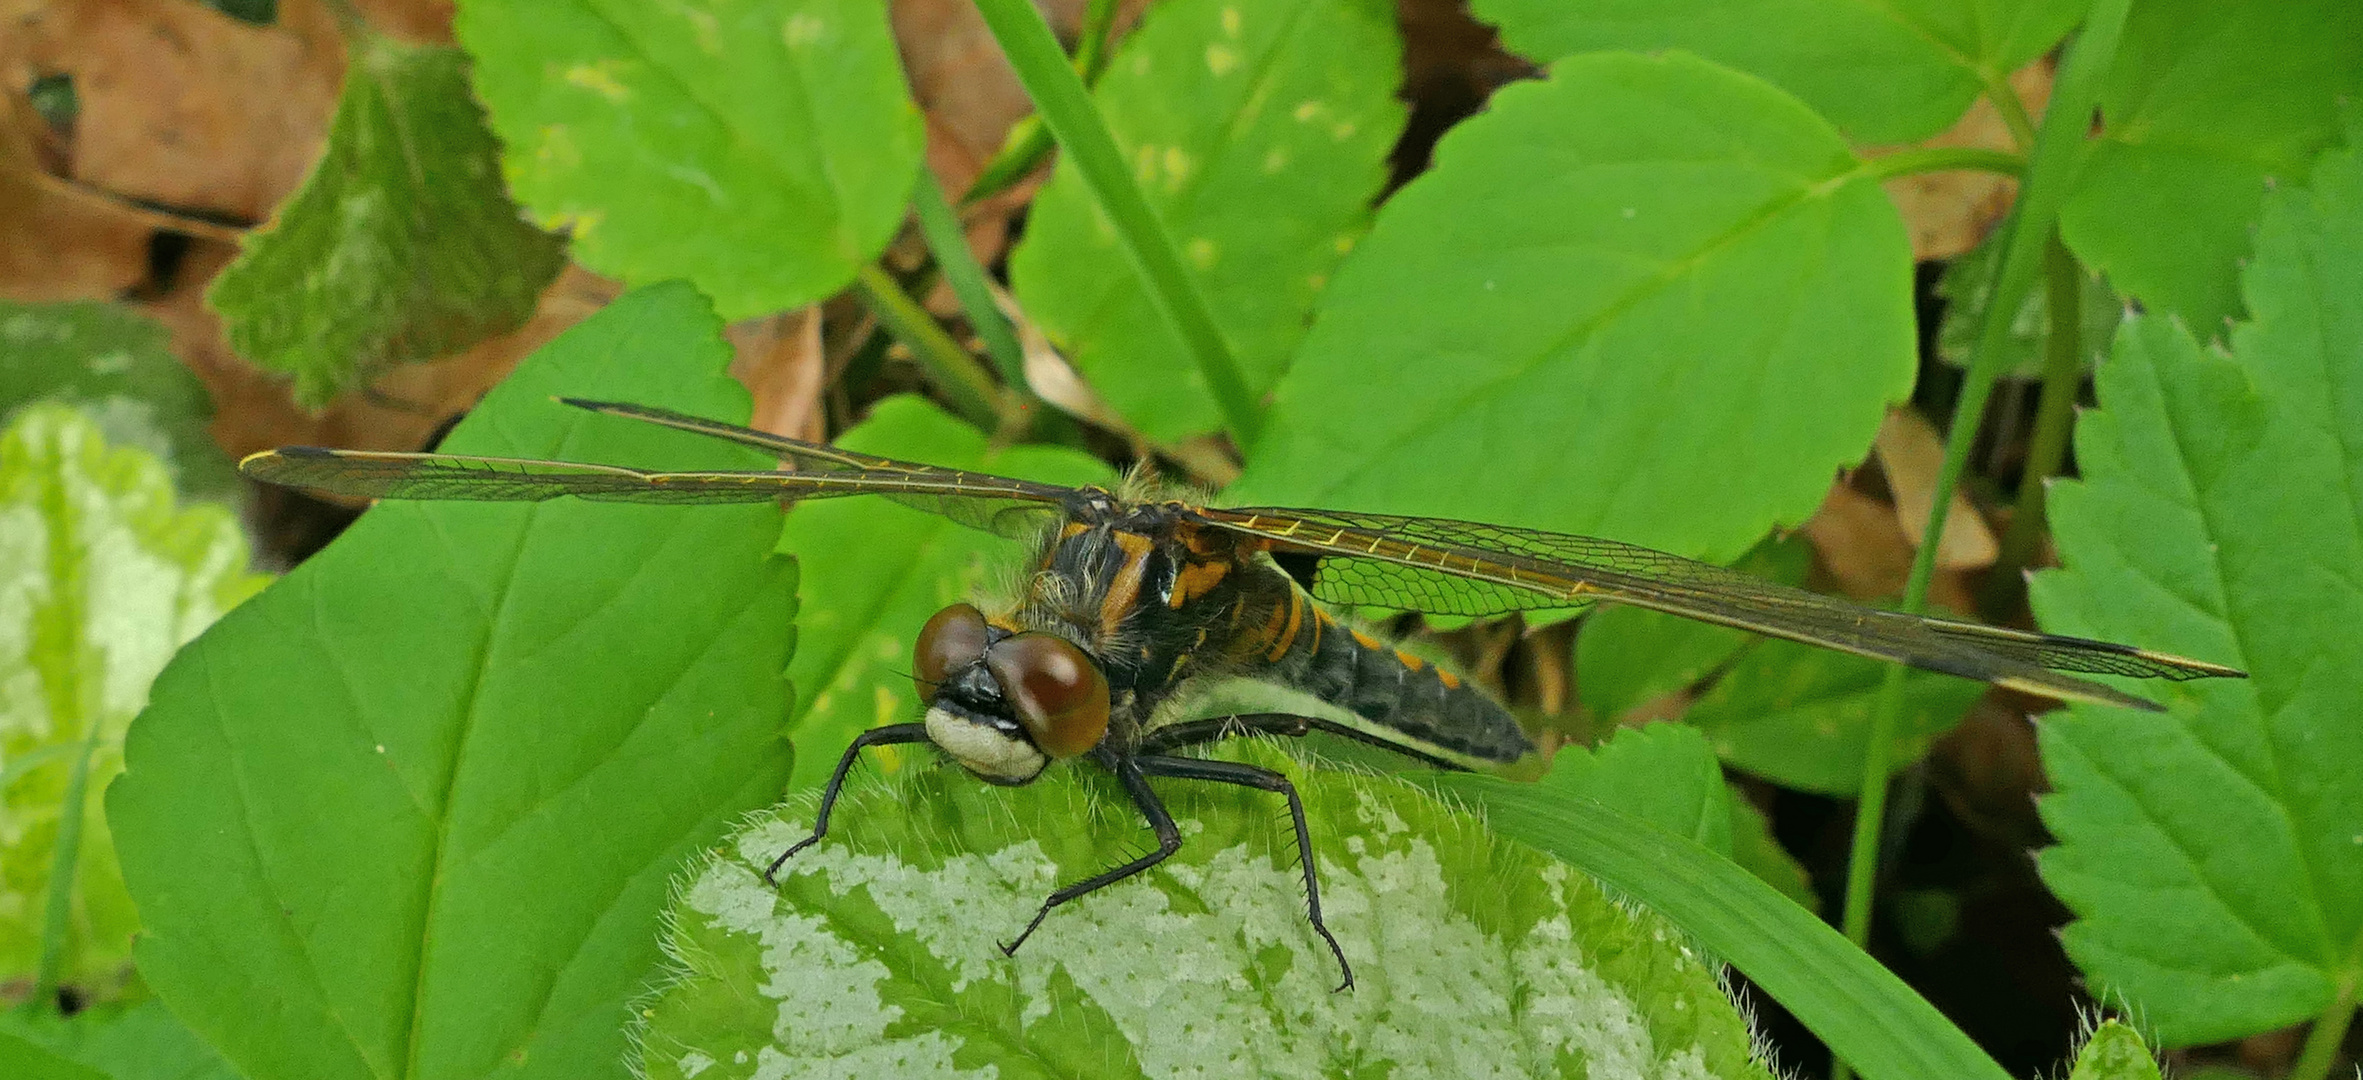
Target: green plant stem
949, 244
1066, 108
2013, 111
1029, 142
2052, 166
1928, 159
2322, 1043
940, 225
950, 369
2055, 413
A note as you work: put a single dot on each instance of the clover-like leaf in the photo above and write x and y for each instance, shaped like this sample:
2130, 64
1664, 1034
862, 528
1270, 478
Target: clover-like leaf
1885, 72
413, 810
873, 572
878, 954
113, 364
1259, 134
102, 576
1646, 298
2210, 853
401, 245
2206, 108
763, 149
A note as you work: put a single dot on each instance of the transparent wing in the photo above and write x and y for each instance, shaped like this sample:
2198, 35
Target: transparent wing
970, 498
1015, 508
1463, 568
1006, 515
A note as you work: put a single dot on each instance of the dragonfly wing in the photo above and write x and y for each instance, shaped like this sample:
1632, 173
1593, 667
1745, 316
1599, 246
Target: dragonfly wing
1463, 568
1005, 515
970, 498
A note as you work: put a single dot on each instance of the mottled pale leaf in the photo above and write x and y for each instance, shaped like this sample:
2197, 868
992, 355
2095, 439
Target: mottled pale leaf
1645, 298
1259, 134
414, 809
400, 246
763, 149
877, 957
1801, 716
2114, 1052
113, 365
102, 576
873, 572
2210, 854
1894, 71
2208, 106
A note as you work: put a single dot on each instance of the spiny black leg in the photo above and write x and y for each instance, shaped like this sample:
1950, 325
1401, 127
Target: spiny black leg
885, 736
1168, 842
1198, 732
1256, 776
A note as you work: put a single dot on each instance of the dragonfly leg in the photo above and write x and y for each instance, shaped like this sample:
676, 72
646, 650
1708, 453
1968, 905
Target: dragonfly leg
1168, 842
1199, 732
1256, 776
885, 736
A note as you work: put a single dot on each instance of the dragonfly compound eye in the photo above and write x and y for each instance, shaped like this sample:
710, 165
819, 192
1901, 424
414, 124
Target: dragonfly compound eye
1057, 692
953, 639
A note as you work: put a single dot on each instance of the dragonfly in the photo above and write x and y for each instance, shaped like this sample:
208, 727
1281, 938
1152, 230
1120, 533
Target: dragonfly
1136, 596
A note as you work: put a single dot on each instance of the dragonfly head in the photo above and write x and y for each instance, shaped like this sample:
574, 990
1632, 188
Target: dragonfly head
1004, 704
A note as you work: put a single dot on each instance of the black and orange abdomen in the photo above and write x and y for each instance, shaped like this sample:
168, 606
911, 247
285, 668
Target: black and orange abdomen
1313, 653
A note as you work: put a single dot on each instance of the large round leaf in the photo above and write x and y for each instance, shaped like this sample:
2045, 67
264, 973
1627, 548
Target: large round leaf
761, 148
1646, 297
412, 810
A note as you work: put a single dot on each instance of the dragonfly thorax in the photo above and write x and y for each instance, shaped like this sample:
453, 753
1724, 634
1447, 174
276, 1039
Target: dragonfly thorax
1004, 703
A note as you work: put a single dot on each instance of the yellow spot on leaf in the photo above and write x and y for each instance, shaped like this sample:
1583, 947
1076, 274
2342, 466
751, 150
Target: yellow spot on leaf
1230, 22
1203, 252
1275, 159
802, 30
599, 78
1344, 243
1307, 111
1345, 130
1178, 165
1221, 60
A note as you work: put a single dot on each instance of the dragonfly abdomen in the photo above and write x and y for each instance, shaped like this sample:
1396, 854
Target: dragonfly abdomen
1394, 689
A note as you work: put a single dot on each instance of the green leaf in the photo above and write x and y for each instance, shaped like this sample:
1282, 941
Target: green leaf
2114, 1052
401, 245
101, 578
763, 149
115, 366
22, 1060
2210, 854
1860, 1009
1887, 72
873, 572
142, 1042
1645, 298
2207, 108
413, 810
1259, 134
1626, 657
1664, 774
878, 954
1967, 286
1801, 716
1755, 849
